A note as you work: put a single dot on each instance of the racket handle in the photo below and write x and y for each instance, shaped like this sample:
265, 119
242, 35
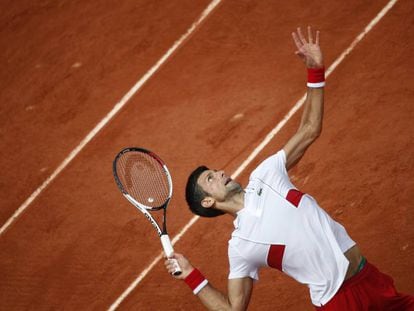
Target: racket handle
168, 250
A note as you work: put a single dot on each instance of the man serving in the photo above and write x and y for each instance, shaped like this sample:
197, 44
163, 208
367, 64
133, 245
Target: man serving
280, 227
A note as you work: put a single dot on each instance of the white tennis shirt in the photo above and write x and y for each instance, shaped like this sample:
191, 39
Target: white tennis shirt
283, 228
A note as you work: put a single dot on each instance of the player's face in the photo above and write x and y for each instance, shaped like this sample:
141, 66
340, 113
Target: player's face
219, 185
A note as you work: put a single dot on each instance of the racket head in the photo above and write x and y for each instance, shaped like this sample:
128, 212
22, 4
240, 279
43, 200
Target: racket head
142, 175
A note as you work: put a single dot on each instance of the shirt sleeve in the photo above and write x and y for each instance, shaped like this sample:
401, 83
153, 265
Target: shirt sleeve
240, 267
272, 167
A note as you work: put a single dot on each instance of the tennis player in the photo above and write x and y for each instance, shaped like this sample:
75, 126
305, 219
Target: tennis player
280, 227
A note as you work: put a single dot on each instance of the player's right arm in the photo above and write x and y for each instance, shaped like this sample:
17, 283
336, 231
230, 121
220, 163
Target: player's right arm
239, 290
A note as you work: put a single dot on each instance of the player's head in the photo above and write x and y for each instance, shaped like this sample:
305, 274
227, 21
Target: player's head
207, 187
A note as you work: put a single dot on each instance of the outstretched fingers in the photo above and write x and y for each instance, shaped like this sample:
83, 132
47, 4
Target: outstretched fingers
298, 43
301, 37
310, 36
308, 49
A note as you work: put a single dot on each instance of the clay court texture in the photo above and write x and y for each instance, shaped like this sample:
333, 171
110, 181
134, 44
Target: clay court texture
198, 82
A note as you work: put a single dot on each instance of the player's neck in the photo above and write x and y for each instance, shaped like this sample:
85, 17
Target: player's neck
233, 204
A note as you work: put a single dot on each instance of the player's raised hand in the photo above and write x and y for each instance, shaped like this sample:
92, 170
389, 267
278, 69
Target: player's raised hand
308, 49
184, 264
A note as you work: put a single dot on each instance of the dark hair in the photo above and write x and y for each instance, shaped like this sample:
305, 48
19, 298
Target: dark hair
194, 194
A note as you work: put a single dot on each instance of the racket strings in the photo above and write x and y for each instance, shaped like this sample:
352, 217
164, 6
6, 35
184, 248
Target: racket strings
143, 178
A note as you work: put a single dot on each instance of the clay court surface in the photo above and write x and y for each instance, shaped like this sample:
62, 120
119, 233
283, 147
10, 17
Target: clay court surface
65, 64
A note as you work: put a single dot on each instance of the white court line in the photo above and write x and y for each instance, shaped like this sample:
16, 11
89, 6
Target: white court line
151, 265
118, 106
259, 148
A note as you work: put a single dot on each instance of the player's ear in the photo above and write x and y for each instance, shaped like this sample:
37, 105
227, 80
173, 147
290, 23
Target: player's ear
207, 202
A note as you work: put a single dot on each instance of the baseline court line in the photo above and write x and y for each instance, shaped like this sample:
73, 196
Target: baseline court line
259, 148
118, 106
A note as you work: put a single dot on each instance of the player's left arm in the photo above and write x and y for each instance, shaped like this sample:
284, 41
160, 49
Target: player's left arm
311, 123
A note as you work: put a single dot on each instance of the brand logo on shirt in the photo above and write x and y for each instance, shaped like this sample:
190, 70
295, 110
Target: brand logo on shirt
259, 192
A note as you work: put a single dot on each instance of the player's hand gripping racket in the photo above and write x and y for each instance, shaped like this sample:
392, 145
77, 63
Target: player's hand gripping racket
145, 181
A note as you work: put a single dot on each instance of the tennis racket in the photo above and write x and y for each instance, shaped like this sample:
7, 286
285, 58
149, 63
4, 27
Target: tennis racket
145, 181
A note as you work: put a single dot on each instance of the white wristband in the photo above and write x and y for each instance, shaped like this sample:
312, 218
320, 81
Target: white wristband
200, 287
316, 85
196, 281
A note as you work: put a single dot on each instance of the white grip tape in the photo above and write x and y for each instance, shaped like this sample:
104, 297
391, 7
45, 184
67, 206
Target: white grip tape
166, 245
168, 250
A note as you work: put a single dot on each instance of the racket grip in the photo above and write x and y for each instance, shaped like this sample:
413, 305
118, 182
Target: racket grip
168, 250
